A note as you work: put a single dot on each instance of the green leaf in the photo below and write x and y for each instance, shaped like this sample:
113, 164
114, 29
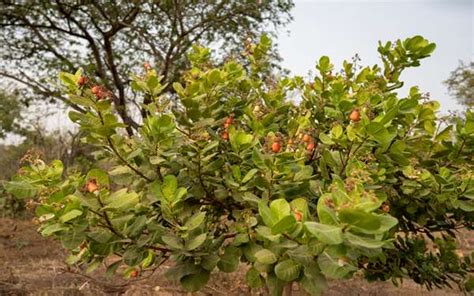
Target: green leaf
287, 270
214, 76
387, 222
134, 255
239, 139
100, 249
257, 159
209, 147
336, 131
328, 234
169, 186
325, 139
266, 233
196, 281
50, 229
100, 176
229, 262
265, 256
178, 88
359, 219
135, 229
389, 115
172, 242
195, 242
251, 198
156, 160
182, 269
334, 266
82, 101
313, 282
280, 208
179, 194
122, 200
209, 262
363, 241
148, 259
301, 254
70, 215
324, 65
195, 221
236, 173
249, 251
120, 170
329, 159
249, 175
20, 189
284, 224
326, 214
407, 105
304, 174
378, 132
73, 239
92, 266
100, 236
266, 213
254, 279
445, 134
465, 205
67, 79
240, 239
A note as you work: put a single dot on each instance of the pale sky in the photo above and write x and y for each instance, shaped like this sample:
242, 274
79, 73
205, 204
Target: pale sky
339, 29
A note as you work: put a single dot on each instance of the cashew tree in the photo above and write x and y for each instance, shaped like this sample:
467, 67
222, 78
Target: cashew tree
299, 180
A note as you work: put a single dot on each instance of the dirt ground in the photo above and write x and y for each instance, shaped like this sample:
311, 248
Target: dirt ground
33, 265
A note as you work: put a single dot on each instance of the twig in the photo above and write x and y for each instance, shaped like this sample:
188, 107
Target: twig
107, 220
111, 145
126, 162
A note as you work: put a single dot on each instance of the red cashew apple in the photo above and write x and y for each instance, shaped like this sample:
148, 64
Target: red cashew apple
276, 147
355, 115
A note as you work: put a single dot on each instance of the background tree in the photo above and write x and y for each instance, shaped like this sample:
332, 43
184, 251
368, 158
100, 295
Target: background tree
110, 39
461, 84
10, 114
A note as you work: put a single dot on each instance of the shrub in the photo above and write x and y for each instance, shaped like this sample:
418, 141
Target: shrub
38, 144
300, 180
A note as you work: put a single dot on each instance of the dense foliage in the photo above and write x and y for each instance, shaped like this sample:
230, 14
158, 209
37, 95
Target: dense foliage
300, 180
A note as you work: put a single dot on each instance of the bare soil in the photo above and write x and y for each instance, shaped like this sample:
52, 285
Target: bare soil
33, 265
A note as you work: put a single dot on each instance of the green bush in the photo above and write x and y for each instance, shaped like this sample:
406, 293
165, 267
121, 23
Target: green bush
38, 144
300, 180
